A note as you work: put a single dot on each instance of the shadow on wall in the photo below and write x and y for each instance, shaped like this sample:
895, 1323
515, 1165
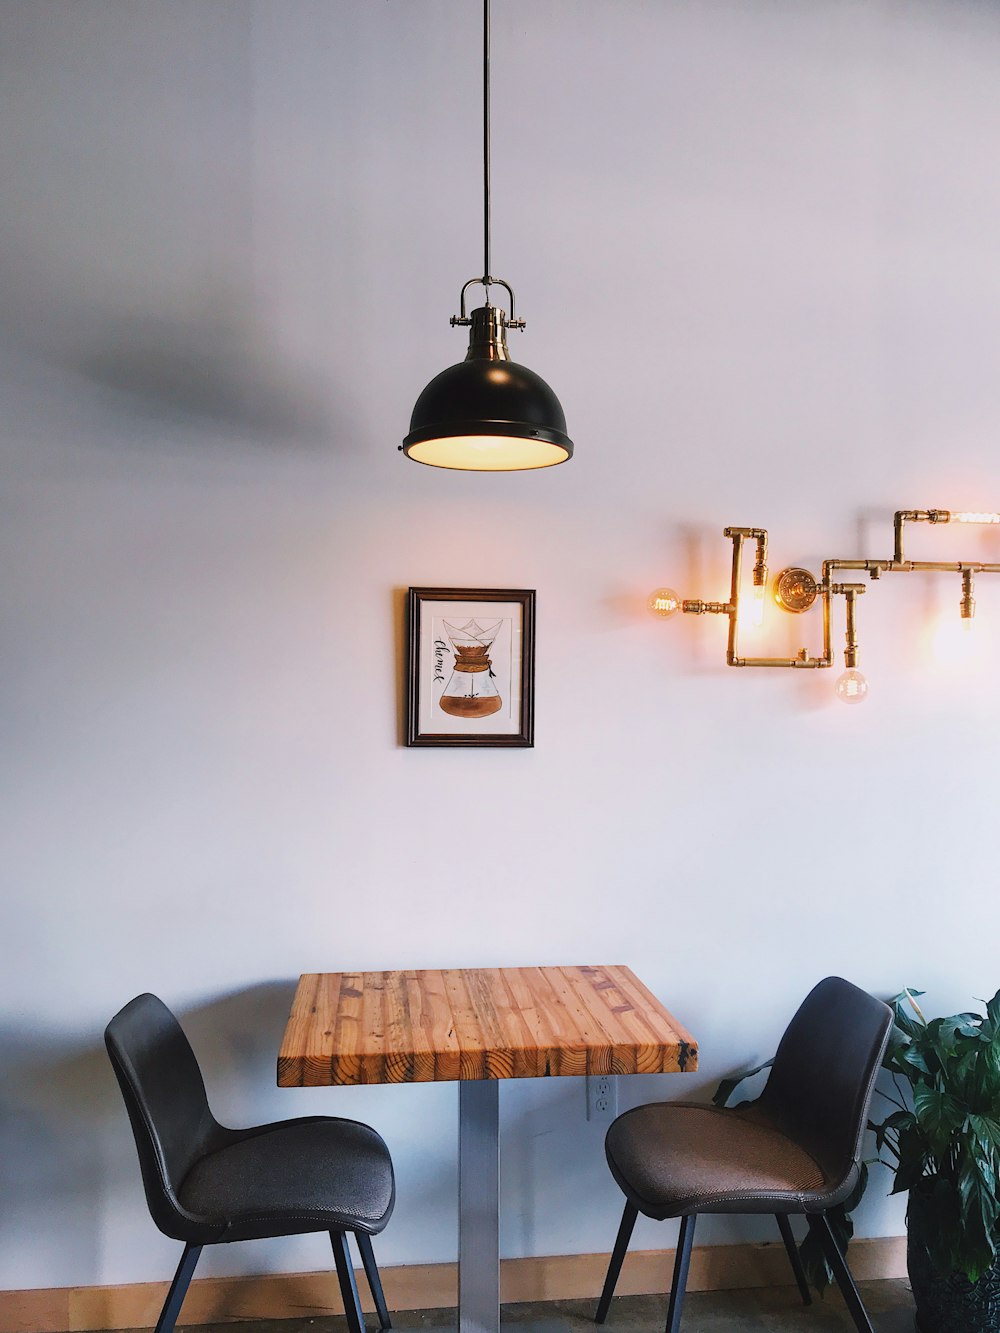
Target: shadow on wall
208, 365
66, 1146
206, 369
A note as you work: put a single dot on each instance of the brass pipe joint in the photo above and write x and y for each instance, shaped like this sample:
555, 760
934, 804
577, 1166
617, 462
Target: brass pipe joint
903, 516
797, 590
760, 566
967, 606
851, 637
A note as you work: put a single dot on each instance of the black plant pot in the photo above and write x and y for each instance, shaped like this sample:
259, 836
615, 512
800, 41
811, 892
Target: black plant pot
946, 1304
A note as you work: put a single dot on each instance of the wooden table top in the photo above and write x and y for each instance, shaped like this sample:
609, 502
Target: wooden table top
477, 1023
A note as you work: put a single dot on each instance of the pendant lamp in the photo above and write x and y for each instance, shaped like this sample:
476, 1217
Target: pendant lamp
488, 413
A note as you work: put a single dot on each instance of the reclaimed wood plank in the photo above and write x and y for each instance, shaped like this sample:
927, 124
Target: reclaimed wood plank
645, 1039
681, 1055
371, 1037
428, 997
536, 1037
470, 1026
611, 1052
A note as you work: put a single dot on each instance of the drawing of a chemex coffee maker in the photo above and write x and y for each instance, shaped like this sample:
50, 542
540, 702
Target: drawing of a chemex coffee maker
471, 689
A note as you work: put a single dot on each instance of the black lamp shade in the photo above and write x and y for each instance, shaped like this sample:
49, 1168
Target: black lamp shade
488, 415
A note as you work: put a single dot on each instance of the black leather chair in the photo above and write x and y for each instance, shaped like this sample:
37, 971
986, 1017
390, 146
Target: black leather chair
795, 1150
206, 1184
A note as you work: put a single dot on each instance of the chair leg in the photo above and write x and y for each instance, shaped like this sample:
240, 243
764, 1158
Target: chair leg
836, 1260
785, 1227
374, 1281
178, 1289
348, 1286
681, 1265
615, 1266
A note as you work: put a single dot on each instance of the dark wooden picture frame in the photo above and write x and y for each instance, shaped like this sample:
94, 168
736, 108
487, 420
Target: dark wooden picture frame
471, 666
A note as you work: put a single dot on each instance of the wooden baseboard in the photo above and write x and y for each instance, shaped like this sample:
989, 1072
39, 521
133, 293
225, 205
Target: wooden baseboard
417, 1287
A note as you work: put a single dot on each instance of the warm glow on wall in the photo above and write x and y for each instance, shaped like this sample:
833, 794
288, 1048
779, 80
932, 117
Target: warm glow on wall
796, 590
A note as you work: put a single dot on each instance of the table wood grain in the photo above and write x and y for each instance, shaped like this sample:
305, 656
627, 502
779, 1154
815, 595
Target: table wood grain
477, 1023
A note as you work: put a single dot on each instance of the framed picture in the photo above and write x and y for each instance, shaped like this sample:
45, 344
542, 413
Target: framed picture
471, 677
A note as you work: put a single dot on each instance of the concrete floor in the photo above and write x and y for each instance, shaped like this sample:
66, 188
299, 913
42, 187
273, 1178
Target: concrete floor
761, 1310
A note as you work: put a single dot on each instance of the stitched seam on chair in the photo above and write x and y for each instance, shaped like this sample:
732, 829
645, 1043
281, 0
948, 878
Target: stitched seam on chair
317, 1214
869, 1094
736, 1196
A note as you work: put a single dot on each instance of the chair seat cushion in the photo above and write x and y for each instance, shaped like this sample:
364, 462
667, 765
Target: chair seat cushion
313, 1174
674, 1158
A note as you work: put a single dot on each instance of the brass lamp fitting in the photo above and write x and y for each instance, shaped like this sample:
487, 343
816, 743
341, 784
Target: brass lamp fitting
967, 605
851, 592
760, 567
796, 589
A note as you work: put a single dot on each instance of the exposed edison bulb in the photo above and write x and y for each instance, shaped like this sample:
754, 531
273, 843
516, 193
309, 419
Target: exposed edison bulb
967, 517
663, 602
757, 605
851, 687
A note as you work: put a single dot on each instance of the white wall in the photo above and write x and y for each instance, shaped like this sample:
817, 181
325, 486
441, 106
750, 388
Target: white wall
756, 247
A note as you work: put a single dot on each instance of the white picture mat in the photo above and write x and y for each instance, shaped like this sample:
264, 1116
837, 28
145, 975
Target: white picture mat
436, 662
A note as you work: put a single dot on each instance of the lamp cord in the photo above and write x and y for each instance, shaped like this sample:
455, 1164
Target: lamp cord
486, 146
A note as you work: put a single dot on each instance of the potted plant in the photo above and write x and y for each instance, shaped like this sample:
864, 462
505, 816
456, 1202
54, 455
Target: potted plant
941, 1139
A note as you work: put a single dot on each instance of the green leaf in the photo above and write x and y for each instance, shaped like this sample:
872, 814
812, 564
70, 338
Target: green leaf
938, 1115
964, 1025
910, 1058
909, 1173
814, 1264
972, 1247
986, 1129
902, 1012
888, 1130
728, 1086
912, 1167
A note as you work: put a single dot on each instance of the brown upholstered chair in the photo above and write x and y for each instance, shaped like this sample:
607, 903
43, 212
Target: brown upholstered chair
206, 1184
795, 1150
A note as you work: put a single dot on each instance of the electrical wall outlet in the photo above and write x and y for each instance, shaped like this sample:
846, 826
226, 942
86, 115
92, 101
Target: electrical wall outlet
602, 1097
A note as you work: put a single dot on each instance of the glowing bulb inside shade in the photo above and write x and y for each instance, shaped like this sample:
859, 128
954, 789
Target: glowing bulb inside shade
975, 518
757, 605
851, 687
663, 602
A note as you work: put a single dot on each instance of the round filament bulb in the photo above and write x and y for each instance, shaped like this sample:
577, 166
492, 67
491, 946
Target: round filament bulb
851, 687
663, 602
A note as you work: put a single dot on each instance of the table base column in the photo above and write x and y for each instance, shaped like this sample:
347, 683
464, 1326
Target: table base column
479, 1206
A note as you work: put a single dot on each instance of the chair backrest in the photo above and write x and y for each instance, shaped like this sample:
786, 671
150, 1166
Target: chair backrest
824, 1072
165, 1096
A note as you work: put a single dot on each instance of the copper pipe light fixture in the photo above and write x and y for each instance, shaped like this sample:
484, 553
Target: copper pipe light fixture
488, 413
796, 590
